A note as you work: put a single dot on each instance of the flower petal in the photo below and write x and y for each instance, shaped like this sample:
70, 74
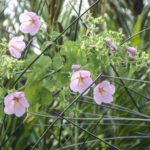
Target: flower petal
107, 98
19, 111
23, 101
9, 107
97, 98
109, 89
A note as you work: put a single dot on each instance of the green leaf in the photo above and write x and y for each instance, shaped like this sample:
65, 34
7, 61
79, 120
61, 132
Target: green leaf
46, 44
57, 62
44, 61
36, 93
137, 28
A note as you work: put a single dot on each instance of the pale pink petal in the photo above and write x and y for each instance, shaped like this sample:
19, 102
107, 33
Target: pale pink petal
20, 94
8, 98
25, 28
15, 53
9, 107
19, 111
23, 101
77, 87
97, 98
75, 75
24, 17
87, 81
107, 98
85, 73
104, 84
17, 39
34, 29
20, 45
82, 88
32, 15
109, 89
74, 85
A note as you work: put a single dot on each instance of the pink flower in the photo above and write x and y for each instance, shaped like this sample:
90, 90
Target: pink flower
111, 45
15, 103
103, 92
16, 46
71, 116
80, 80
131, 51
30, 23
76, 67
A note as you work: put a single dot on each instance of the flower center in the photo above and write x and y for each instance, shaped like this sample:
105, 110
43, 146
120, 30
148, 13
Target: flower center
16, 101
81, 80
31, 22
15, 47
102, 91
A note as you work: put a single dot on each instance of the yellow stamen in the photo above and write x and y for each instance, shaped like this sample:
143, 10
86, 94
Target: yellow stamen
16, 101
102, 91
81, 80
15, 47
31, 22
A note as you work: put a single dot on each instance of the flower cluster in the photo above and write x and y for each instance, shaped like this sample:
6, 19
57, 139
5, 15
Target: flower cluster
81, 80
30, 23
131, 50
16, 103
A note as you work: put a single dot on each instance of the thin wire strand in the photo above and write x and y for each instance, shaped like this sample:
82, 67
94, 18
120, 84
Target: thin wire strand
111, 138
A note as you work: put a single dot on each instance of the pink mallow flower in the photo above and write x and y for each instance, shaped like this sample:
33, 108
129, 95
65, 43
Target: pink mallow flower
112, 45
30, 23
76, 67
80, 80
131, 51
103, 92
15, 103
16, 46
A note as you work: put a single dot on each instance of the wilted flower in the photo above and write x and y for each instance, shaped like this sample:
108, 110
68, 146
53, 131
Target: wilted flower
86, 16
80, 80
15, 103
76, 67
16, 46
112, 45
71, 116
103, 92
109, 42
131, 51
92, 46
30, 23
